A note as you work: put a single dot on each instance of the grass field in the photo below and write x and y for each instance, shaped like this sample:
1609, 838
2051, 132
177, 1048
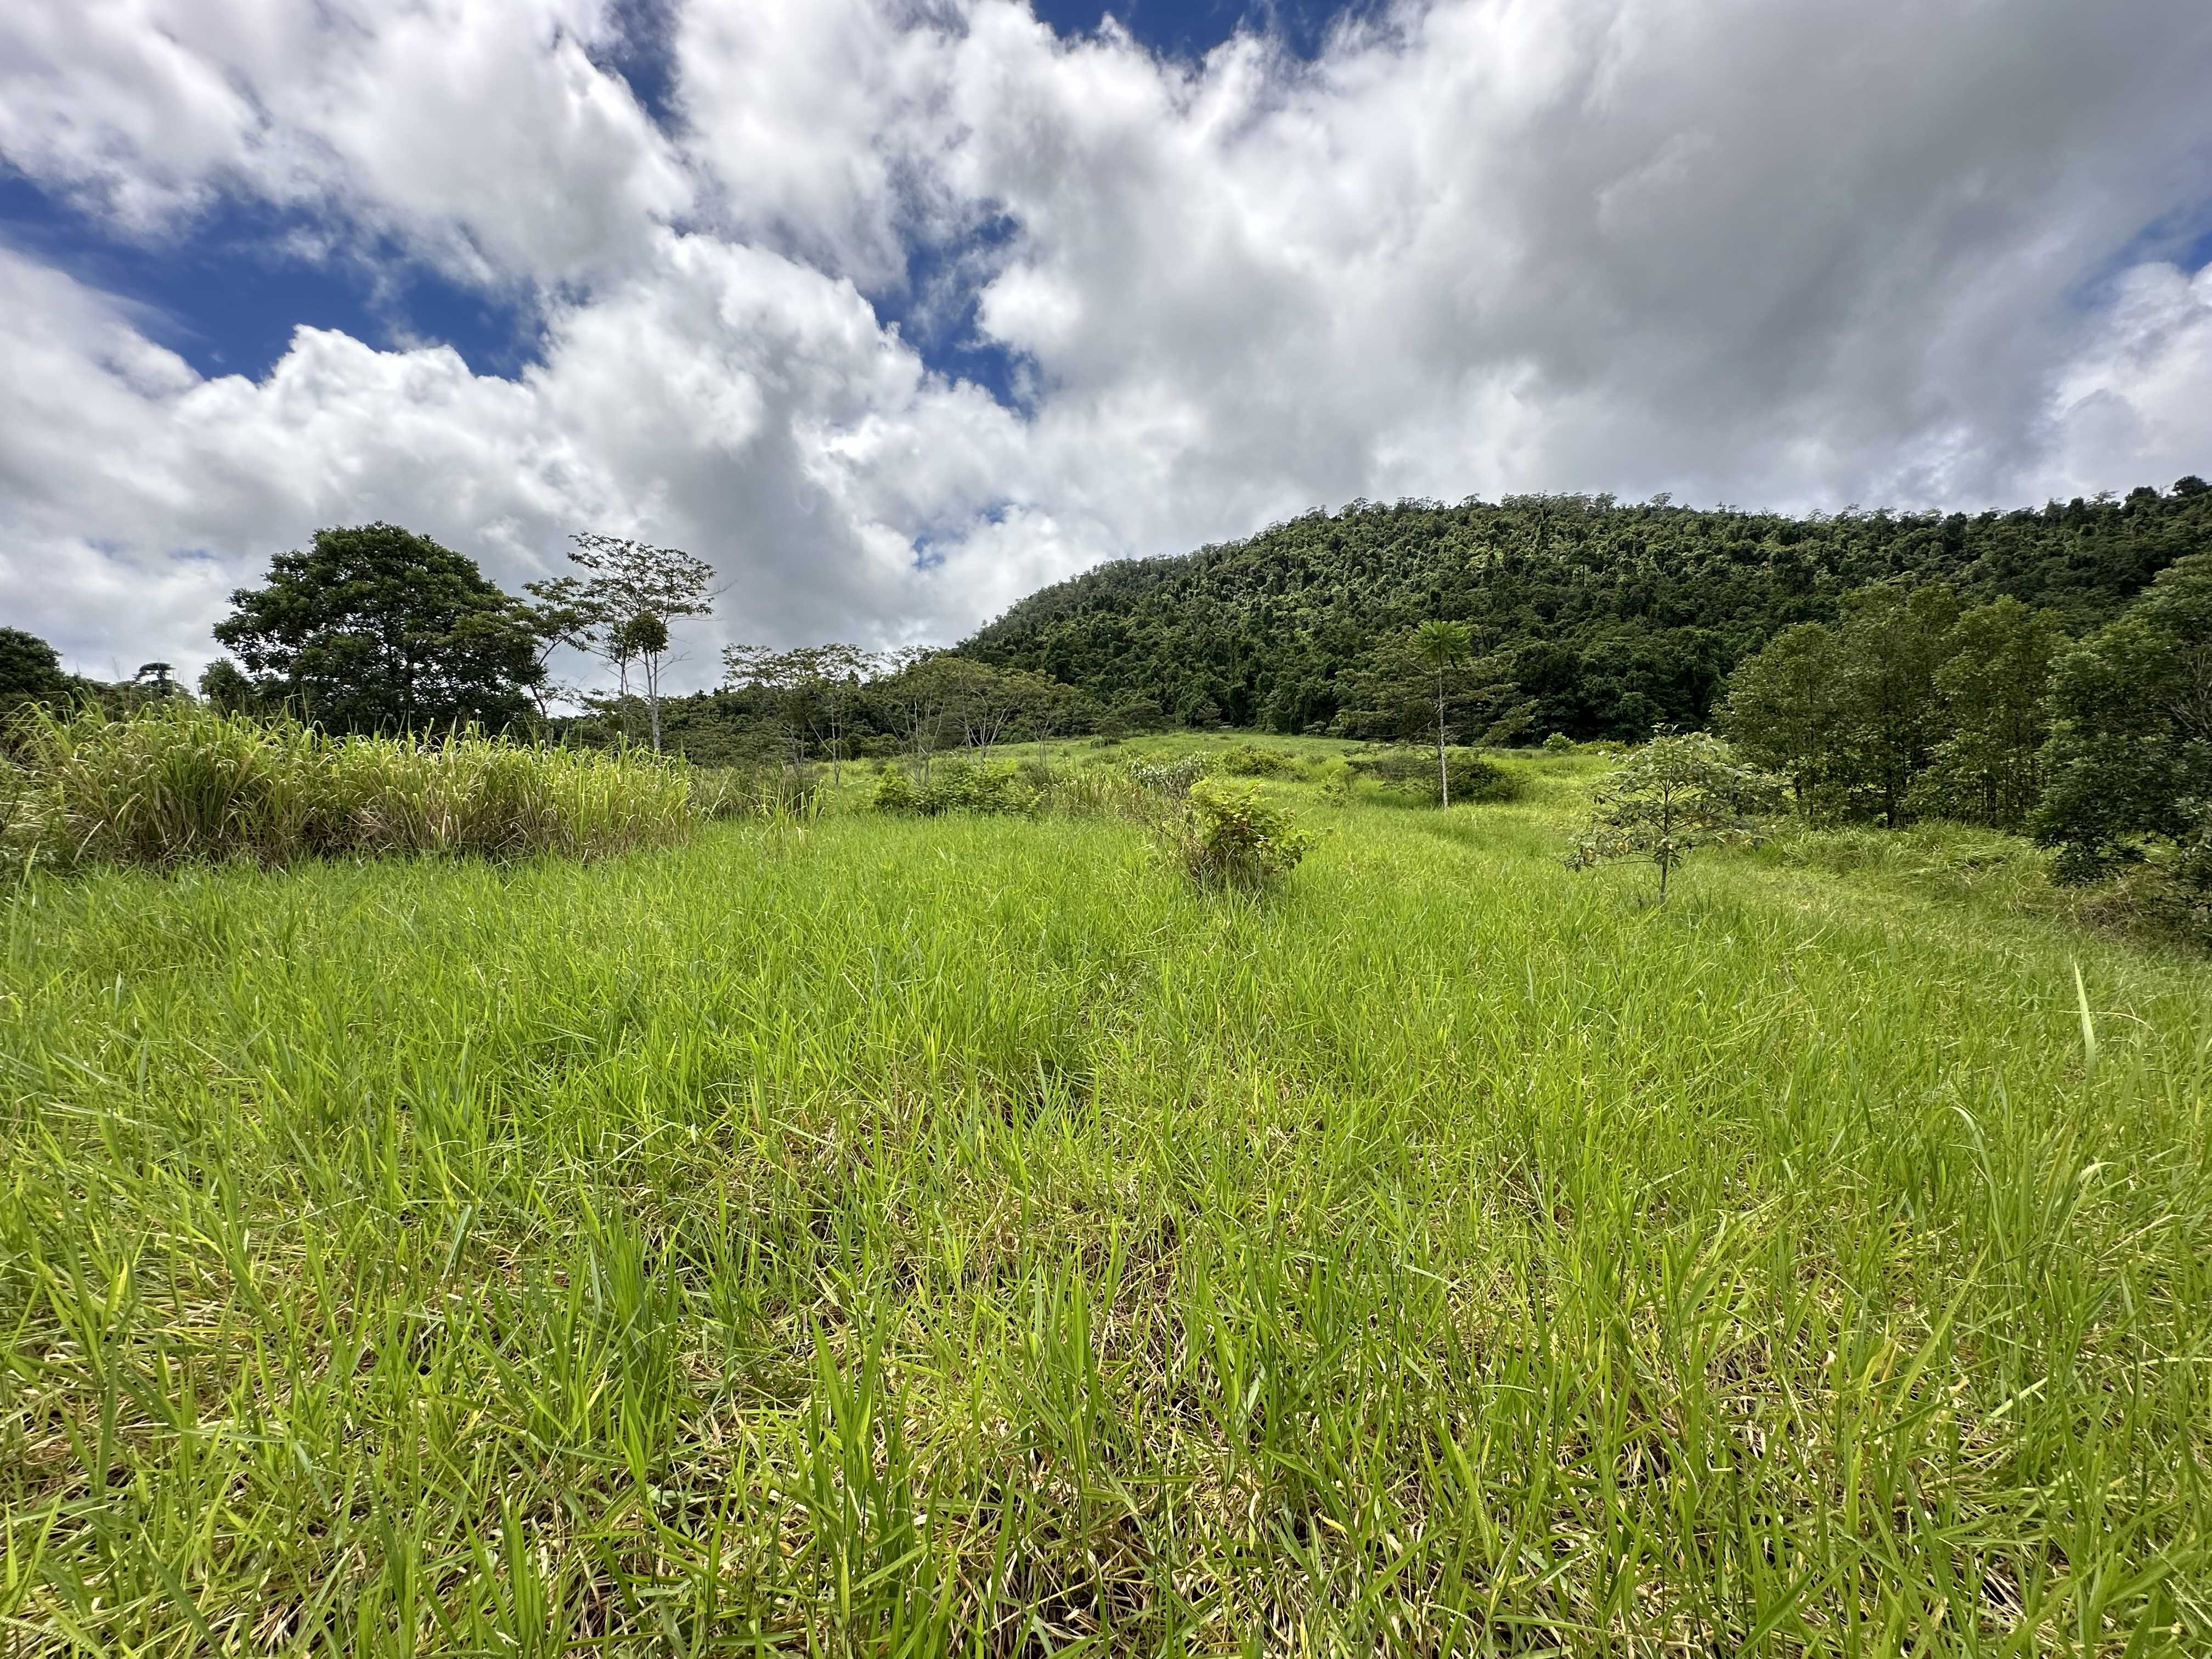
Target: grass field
894, 1237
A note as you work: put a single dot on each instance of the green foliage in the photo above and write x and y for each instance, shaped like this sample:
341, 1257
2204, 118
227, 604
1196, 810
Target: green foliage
1904, 705
2130, 759
1607, 620
1474, 776
955, 784
1992, 681
376, 630
31, 672
1784, 710
1229, 838
226, 689
1558, 744
1679, 792
176, 782
1248, 760
1172, 778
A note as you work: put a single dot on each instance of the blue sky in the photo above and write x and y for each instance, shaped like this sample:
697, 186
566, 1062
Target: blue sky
896, 309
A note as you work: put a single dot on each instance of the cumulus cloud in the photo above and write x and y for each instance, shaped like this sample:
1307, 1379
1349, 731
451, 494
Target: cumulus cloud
1796, 256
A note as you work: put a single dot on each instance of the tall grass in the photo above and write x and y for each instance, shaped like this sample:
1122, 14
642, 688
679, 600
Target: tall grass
961, 1236
175, 782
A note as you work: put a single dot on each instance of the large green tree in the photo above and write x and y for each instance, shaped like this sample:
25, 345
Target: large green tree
375, 628
1994, 672
2129, 765
31, 670
1893, 641
1785, 707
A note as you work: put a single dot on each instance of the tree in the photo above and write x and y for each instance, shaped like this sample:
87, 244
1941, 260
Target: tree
1993, 678
981, 700
809, 692
375, 628
1440, 647
1681, 790
1891, 642
227, 689
1396, 696
621, 611
834, 675
2129, 763
158, 679
1784, 706
914, 698
31, 670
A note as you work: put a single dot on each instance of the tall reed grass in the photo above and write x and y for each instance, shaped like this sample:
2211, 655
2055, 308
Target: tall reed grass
177, 783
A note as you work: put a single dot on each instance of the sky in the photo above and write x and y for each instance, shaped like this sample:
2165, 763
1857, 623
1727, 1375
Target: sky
895, 310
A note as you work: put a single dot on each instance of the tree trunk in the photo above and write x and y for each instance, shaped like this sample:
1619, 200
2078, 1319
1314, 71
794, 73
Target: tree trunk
1444, 775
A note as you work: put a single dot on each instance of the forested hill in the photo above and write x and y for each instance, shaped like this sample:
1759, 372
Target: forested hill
1609, 617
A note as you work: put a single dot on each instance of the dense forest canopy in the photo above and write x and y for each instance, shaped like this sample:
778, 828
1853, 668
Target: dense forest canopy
1609, 619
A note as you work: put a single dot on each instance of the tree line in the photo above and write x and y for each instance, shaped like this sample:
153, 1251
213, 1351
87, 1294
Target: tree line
1914, 703
1585, 616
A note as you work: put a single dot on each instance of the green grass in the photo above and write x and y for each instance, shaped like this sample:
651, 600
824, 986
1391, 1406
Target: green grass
896, 1237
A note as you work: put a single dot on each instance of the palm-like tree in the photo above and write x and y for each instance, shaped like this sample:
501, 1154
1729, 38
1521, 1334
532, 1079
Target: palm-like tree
1441, 647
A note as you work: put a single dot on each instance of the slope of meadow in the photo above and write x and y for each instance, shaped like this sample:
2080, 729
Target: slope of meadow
901, 1236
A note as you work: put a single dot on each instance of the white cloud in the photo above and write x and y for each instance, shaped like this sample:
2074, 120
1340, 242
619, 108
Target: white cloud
1791, 255
482, 134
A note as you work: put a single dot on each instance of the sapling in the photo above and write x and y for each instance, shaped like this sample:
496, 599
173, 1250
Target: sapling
1681, 790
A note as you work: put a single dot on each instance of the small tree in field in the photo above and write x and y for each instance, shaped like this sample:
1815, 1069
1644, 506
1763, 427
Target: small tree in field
1440, 647
1681, 790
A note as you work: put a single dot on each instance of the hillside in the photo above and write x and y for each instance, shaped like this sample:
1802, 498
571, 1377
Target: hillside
1610, 618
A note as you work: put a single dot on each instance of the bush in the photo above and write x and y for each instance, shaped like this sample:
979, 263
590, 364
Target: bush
1228, 839
1413, 773
2167, 898
1248, 760
1172, 778
1558, 744
176, 782
955, 785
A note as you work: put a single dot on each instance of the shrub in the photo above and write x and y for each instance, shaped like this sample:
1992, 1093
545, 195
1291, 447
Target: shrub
1558, 744
1172, 778
176, 782
1413, 773
957, 785
1231, 839
896, 792
1248, 760
2166, 897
